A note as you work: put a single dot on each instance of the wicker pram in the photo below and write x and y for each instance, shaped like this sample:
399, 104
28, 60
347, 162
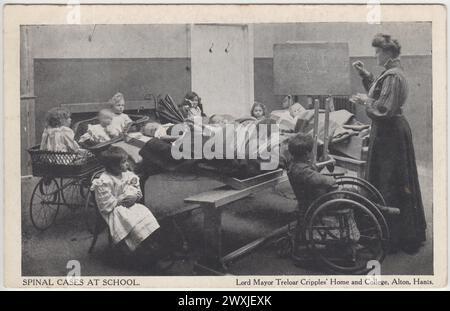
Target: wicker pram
61, 164
69, 164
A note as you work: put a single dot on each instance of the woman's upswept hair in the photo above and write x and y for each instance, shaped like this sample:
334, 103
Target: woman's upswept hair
55, 117
386, 43
112, 157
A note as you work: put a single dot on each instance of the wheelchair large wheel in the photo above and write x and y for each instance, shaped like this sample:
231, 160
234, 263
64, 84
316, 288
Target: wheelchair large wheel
361, 186
355, 197
345, 235
44, 203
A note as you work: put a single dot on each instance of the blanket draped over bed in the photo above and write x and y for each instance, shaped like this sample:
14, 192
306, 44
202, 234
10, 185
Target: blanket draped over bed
246, 161
304, 123
233, 153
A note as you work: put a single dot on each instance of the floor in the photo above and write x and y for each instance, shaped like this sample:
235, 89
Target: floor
47, 253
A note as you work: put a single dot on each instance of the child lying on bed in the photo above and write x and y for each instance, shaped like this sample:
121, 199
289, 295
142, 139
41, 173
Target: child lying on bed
156, 130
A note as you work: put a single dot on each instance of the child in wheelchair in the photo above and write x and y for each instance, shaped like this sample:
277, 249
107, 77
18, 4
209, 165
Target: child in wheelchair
117, 192
308, 184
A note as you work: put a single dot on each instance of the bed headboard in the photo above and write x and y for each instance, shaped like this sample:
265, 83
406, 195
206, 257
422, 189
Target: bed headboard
131, 105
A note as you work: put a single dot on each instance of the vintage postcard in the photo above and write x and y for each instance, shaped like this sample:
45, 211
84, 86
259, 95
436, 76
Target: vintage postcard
234, 146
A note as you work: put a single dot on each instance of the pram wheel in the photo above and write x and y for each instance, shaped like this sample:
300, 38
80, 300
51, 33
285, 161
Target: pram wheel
345, 235
284, 246
73, 194
44, 203
361, 186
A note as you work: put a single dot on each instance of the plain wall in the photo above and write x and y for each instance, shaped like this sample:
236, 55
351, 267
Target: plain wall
222, 68
65, 81
414, 37
109, 41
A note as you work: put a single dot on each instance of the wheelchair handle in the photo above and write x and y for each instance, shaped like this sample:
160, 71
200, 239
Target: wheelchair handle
389, 210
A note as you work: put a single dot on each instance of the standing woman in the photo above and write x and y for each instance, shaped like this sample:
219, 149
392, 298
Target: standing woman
391, 165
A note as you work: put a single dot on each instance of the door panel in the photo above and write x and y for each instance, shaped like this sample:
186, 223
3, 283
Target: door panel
222, 68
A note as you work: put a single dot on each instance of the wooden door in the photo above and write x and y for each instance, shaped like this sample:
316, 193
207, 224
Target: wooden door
222, 68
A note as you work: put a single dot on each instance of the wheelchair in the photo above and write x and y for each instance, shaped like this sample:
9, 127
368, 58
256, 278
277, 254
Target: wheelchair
343, 230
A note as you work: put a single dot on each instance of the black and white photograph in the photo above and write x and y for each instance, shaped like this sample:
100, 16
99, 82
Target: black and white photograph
228, 149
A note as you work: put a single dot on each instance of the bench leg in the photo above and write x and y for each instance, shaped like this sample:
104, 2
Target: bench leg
94, 241
211, 258
180, 233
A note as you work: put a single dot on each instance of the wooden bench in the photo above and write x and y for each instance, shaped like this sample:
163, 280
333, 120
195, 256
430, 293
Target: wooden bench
211, 202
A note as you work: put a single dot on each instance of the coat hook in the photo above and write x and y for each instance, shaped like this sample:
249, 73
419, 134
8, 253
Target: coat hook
210, 49
92, 34
227, 48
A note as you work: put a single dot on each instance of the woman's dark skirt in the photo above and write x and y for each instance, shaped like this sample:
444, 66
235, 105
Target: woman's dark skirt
392, 169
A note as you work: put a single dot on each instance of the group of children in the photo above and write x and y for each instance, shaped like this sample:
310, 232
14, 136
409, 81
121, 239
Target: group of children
117, 190
58, 136
192, 107
291, 113
112, 123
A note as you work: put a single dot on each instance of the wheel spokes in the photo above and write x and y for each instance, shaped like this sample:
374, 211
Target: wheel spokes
71, 193
345, 235
44, 203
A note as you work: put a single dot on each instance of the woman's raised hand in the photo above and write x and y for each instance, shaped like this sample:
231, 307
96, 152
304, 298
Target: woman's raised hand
359, 66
